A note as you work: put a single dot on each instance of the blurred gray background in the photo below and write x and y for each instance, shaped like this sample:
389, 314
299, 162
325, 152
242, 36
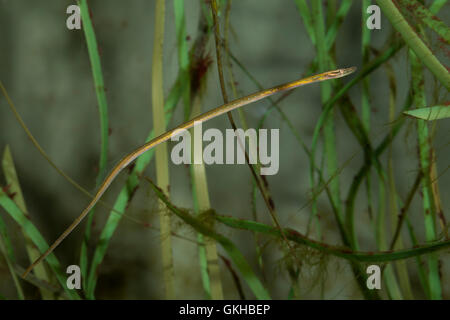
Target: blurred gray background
45, 68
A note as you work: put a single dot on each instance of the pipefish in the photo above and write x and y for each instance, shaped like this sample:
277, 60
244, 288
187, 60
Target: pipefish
235, 104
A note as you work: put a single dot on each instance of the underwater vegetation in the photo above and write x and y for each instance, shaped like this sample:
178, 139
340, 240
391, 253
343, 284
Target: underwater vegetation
329, 185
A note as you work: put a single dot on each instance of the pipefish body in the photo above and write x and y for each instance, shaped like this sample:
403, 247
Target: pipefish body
235, 104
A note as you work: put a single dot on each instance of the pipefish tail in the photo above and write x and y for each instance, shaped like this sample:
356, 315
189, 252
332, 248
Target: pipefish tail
235, 104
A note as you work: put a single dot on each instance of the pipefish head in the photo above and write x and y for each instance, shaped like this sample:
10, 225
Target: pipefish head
340, 73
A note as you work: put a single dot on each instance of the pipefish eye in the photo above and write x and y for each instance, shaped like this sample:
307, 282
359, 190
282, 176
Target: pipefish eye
341, 72
348, 70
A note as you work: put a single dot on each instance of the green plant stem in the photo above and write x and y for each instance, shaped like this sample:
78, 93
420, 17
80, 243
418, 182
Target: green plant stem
328, 133
425, 158
345, 253
202, 195
94, 58
12, 180
161, 153
414, 42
